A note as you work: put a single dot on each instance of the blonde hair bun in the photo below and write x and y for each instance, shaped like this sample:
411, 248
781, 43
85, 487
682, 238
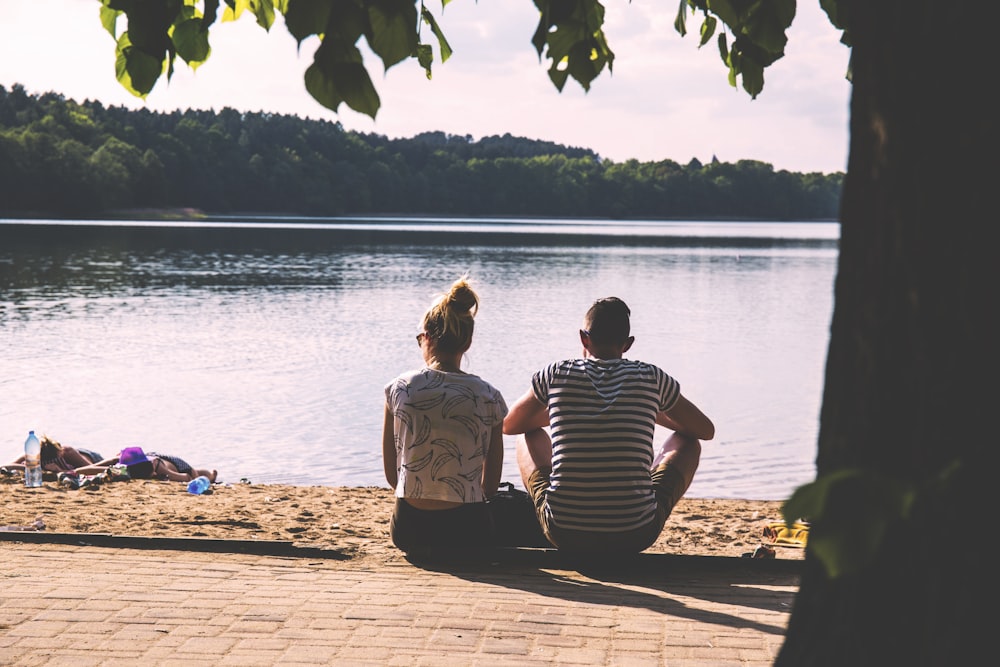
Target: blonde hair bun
450, 320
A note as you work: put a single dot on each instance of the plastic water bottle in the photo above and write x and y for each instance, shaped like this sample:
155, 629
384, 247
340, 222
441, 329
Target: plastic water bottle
199, 485
32, 461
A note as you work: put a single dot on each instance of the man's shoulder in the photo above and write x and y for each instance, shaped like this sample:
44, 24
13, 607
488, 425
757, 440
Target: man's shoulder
638, 363
565, 366
578, 363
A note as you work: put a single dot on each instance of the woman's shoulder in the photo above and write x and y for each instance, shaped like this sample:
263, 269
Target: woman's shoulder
406, 377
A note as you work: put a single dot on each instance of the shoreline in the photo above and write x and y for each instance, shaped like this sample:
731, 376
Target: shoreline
351, 520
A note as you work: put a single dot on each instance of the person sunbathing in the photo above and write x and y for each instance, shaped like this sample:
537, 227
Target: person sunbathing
57, 458
149, 466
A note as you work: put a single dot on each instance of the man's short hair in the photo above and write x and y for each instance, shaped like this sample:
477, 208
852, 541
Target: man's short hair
607, 321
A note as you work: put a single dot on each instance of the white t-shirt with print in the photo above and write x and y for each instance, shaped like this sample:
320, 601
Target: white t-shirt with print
443, 423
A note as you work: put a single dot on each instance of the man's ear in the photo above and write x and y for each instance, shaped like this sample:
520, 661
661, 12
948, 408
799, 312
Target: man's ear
628, 344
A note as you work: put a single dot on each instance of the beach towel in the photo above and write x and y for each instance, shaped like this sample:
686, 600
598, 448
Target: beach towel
781, 534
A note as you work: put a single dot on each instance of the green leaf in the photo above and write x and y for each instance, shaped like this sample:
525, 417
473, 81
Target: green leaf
338, 75
393, 30
211, 13
234, 9
850, 512
753, 77
558, 76
109, 19
834, 12
680, 21
563, 39
118, 5
264, 11
346, 82
191, 42
443, 44
348, 21
724, 10
593, 15
538, 39
555, 15
570, 34
136, 70
307, 17
707, 30
585, 64
425, 56
765, 24
149, 25
759, 35
723, 48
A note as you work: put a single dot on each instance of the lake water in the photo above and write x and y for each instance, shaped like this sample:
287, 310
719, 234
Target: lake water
260, 347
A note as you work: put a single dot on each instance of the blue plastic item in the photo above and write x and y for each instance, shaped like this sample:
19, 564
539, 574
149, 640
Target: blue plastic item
199, 485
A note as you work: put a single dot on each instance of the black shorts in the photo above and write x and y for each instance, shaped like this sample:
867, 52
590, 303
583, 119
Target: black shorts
668, 487
429, 533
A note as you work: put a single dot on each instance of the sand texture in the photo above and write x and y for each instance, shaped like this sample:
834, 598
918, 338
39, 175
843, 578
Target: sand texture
351, 520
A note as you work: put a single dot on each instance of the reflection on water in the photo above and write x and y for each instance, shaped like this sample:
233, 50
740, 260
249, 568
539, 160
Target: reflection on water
263, 352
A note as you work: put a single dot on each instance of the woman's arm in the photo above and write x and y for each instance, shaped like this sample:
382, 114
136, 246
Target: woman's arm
389, 449
97, 468
685, 418
493, 465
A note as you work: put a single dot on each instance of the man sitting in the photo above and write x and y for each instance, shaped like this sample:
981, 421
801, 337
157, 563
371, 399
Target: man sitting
595, 483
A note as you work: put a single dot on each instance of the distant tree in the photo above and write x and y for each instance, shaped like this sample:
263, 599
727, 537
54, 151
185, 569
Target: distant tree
235, 162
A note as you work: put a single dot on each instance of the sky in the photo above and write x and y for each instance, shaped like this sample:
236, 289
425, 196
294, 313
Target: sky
666, 99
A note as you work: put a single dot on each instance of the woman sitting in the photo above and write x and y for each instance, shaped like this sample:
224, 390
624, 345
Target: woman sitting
442, 445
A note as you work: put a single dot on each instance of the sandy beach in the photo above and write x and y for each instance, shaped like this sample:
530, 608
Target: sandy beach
352, 520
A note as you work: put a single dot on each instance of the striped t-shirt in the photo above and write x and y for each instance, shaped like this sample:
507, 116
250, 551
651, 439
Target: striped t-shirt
602, 415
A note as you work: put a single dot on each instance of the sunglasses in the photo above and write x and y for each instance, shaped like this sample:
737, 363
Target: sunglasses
420, 337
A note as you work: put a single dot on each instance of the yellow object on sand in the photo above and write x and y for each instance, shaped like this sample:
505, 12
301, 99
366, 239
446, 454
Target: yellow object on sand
785, 535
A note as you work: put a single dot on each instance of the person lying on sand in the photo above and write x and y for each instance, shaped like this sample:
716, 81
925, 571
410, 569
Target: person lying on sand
150, 466
57, 458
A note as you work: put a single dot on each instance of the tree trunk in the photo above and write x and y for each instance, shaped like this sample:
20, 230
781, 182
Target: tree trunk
911, 375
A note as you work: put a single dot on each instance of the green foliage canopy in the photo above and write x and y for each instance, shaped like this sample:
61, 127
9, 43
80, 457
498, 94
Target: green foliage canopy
570, 35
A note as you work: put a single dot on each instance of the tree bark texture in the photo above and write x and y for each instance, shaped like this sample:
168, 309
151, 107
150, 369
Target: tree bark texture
911, 375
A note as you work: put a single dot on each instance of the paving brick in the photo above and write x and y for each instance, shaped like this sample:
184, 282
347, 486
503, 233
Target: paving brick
239, 609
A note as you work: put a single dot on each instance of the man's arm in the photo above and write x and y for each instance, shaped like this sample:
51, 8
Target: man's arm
527, 414
685, 418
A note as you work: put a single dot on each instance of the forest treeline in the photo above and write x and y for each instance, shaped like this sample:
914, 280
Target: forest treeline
63, 158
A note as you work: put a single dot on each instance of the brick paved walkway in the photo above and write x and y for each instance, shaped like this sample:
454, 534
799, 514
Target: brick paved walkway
92, 605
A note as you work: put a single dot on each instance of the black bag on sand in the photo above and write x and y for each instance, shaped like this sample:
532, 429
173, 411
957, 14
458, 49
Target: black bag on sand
514, 520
